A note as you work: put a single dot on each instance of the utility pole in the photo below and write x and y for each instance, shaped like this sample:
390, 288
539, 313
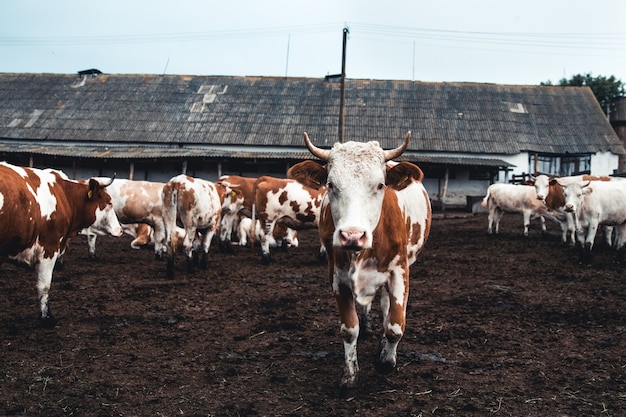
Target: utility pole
342, 103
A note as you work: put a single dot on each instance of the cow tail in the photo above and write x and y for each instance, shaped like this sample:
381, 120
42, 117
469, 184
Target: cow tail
252, 231
486, 199
170, 222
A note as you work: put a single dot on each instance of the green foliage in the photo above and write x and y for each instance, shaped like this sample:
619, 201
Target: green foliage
606, 89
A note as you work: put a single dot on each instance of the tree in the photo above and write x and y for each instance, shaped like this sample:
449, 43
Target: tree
605, 89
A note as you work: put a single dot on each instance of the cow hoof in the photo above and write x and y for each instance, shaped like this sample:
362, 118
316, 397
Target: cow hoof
384, 366
348, 388
47, 322
346, 392
226, 246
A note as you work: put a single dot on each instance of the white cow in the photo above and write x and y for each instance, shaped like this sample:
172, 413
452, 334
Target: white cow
596, 203
511, 198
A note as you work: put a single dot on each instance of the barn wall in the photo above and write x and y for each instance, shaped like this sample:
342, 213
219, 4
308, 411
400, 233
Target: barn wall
604, 163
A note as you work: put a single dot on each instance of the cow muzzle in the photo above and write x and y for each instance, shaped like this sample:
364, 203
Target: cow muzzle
352, 239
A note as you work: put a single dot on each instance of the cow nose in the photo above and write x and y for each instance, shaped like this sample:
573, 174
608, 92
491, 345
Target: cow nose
569, 208
352, 238
540, 197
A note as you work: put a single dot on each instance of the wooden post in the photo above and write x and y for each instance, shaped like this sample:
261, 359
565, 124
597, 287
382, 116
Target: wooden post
342, 110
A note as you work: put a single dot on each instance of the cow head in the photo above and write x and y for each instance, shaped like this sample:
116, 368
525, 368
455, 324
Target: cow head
355, 177
106, 221
542, 186
573, 193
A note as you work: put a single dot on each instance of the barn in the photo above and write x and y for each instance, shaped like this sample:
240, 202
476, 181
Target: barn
152, 127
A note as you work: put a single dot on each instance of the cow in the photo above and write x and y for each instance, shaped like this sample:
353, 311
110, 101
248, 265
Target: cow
40, 211
229, 221
374, 221
514, 198
196, 204
281, 235
287, 201
596, 203
136, 202
550, 191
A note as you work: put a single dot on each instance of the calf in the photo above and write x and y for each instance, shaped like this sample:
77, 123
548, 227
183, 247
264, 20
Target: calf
374, 220
512, 198
40, 210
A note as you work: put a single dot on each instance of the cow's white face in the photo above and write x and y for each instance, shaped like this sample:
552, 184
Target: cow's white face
356, 187
573, 193
542, 187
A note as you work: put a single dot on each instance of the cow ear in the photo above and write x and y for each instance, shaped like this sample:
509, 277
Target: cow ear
402, 174
94, 186
309, 173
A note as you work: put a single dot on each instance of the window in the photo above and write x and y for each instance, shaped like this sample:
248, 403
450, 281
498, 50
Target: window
560, 165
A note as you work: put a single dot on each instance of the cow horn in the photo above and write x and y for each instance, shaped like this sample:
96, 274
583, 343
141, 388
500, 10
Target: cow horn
322, 154
394, 153
110, 182
586, 185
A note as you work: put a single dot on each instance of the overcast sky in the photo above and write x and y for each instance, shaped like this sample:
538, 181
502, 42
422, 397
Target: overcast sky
494, 41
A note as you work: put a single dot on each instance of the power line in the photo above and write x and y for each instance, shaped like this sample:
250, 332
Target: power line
446, 38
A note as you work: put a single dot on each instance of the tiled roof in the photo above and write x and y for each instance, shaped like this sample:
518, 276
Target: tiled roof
186, 111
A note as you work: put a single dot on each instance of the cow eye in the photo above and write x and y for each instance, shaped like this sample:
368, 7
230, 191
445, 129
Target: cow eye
380, 186
330, 186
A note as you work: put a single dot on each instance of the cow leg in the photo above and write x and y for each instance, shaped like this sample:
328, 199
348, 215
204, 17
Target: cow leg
365, 321
526, 216
266, 257
393, 307
349, 334
44, 279
91, 244
226, 230
497, 216
490, 220
160, 247
190, 236
205, 245
571, 227
542, 220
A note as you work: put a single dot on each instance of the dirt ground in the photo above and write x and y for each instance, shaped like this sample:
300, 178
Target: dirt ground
497, 325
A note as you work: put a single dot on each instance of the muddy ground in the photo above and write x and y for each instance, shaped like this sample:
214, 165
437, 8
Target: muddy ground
503, 326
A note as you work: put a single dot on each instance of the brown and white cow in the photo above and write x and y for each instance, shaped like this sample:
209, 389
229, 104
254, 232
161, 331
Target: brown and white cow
282, 236
286, 201
229, 221
40, 211
374, 221
136, 202
514, 198
196, 204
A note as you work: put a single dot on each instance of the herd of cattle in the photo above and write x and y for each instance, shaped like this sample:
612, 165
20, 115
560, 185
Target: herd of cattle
373, 216
579, 204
